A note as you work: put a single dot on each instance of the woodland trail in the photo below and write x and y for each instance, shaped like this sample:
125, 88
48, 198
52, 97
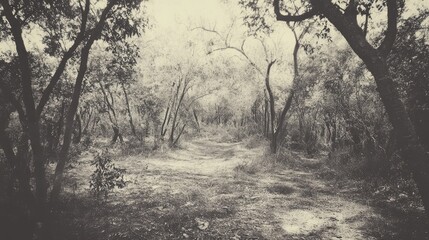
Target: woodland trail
199, 192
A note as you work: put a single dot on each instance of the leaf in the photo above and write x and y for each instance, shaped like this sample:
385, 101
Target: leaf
202, 225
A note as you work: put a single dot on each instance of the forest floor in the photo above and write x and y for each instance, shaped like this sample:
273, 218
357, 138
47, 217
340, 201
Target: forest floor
209, 189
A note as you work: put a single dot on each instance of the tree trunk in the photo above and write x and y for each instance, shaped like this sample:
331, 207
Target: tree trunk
176, 113
116, 134
133, 129
413, 152
411, 149
273, 144
32, 119
77, 135
165, 122
63, 156
5, 141
59, 128
196, 119
179, 135
280, 127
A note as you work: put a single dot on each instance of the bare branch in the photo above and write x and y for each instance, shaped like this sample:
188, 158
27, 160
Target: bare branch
267, 59
201, 96
227, 46
207, 30
244, 55
228, 35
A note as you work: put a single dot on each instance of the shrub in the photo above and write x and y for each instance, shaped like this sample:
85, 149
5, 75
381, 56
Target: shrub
106, 176
133, 146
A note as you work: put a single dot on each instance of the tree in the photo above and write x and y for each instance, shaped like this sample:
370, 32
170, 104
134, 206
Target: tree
122, 66
84, 24
375, 59
275, 126
409, 69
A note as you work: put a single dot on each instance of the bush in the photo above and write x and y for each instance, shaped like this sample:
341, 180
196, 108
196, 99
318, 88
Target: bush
134, 146
106, 176
255, 141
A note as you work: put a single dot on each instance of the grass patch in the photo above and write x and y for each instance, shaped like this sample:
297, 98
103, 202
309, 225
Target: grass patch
281, 189
249, 168
309, 193
255, 141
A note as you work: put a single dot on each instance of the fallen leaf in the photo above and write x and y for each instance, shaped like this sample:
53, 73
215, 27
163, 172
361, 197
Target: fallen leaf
202, 225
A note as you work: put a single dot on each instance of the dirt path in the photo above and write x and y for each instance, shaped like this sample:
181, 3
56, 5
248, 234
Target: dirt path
197, 193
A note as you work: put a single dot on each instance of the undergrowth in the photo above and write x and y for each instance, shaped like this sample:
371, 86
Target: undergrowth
106, 175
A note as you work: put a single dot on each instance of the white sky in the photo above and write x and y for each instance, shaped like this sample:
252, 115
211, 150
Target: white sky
175, 16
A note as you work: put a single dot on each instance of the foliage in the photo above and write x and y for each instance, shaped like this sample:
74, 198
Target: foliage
106, 175
410, 69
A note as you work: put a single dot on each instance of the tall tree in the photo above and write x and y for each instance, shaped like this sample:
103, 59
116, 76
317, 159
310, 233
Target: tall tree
68, 26
375, 59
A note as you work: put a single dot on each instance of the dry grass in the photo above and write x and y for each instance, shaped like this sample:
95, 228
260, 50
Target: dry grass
215, 190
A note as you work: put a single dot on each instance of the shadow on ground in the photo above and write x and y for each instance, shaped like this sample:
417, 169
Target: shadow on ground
198, 192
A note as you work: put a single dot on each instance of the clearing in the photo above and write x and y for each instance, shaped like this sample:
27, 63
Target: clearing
214, 190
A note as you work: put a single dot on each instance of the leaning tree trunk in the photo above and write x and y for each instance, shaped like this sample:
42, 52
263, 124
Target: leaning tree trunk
62, 159
63, 156
412, 150
175, 123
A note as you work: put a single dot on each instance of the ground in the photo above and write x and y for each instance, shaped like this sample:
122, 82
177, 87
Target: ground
209, 189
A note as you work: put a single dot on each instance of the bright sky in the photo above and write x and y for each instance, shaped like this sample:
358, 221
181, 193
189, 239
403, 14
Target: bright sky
176, 17
168, 13
173, 19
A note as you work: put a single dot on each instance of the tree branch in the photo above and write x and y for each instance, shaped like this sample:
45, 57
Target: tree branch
60, 69
292, 18
392, 29
351, 11
23, 61
208, 30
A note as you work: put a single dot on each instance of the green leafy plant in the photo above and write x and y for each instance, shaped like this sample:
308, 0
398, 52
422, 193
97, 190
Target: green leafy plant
106, 176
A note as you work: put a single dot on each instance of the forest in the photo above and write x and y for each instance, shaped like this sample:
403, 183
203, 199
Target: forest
214, 119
